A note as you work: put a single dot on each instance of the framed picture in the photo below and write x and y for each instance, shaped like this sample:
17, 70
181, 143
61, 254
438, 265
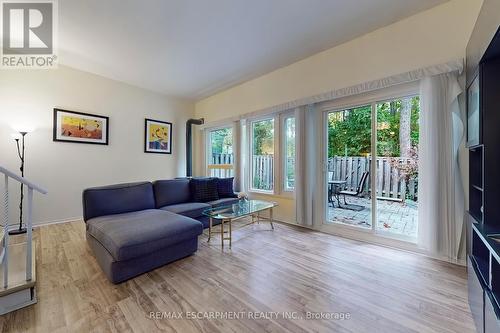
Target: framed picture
78, 127
158, 137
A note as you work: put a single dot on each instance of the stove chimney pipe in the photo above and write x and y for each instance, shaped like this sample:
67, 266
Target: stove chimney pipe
189, 144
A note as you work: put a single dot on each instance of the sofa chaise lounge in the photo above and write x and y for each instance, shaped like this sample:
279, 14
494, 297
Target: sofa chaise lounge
135, 227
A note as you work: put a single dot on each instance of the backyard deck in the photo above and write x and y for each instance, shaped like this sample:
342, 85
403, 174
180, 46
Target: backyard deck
394, 217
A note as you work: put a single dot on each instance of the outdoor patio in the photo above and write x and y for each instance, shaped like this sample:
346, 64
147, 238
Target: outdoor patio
393, 216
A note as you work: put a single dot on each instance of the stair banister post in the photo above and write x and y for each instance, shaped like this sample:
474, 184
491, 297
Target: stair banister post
6, 233
29, 230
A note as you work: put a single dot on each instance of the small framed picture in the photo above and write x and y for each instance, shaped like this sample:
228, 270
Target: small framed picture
158, 137
78, 127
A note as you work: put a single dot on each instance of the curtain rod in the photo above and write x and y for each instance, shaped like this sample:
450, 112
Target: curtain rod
406, 77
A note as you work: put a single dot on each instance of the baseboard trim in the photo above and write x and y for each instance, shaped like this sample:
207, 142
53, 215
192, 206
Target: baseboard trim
461, 262
68, 220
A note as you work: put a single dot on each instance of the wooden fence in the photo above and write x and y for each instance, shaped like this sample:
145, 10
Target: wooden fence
263, 172
222, 159
222, 166
388, 181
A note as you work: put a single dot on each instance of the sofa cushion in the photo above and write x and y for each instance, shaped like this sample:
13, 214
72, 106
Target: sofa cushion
225, 187
223, 202
171, 192
204, 189
135, 234
117, 199
190, 209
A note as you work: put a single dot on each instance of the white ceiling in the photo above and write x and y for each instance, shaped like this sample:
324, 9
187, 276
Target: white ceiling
195, 48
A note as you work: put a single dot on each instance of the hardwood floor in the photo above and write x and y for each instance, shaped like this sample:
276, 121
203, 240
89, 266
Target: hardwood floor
290, 270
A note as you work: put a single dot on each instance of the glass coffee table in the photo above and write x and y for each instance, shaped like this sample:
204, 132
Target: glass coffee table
244, 208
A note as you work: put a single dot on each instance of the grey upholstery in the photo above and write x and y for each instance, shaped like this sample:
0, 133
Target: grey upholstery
223, 202
131, 235
133, 228
119, 271
190, 209
116, 199
171, 192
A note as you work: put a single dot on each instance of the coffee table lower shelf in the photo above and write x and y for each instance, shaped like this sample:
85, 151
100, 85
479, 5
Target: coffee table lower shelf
256, 218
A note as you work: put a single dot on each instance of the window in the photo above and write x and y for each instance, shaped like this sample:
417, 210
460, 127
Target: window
349, 160
220, 152
262, 155
289, 153
397, 139
372, 157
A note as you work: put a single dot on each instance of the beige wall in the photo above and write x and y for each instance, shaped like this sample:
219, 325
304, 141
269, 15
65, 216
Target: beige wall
431, 37
65, 169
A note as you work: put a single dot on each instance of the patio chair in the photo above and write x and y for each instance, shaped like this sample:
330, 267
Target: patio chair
331, 192
359, 190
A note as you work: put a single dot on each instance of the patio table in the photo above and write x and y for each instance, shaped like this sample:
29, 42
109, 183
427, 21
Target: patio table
334, 187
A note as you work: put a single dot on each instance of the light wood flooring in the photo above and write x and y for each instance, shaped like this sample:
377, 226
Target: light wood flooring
291, 271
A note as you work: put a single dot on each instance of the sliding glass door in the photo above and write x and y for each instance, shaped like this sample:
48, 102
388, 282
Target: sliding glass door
349, 159
397, 166
372, 167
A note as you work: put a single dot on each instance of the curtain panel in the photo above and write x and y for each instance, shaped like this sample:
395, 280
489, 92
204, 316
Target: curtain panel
309, 186
440, 192
237, 156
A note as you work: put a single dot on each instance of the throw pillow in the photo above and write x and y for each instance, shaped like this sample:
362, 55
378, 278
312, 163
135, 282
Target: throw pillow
225, 188
204, 189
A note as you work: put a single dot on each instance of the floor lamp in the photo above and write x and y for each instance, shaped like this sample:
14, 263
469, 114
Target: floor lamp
20, 153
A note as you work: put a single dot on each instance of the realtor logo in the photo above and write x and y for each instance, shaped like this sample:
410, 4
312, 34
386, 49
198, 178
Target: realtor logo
28, 34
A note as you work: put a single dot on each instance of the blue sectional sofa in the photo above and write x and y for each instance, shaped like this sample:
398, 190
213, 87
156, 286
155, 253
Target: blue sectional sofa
136, 227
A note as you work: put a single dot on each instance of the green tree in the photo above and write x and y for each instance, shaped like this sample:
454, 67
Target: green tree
222, 141
263, 137
349, 131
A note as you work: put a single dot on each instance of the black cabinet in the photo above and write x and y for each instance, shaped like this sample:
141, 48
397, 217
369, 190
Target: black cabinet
483, 141
476, 186
491, 314
476, 295
483, 270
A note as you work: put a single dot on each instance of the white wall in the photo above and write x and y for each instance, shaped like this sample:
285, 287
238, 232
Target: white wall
432, 37
65, 169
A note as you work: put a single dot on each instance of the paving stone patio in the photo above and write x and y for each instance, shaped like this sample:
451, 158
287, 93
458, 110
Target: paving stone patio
393, 217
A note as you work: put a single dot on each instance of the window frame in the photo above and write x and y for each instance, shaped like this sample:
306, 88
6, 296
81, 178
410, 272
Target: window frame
368, 99
250, 137
208, 143
283, 118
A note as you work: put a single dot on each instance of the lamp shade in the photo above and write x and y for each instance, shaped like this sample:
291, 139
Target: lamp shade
23, 128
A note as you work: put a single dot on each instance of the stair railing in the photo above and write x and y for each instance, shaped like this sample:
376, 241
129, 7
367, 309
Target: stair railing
4, 250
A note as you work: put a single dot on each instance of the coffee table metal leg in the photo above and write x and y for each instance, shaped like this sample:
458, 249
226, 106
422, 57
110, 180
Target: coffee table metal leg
222, 232
271, 218
210, 229
230, 232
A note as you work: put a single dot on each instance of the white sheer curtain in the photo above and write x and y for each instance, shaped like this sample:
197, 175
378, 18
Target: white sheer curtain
308, 155
440, 193
237, 155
